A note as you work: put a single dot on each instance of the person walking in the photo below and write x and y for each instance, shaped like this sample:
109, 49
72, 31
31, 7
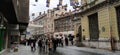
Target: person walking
50, 44
66, 41
72, 42
55, 42
61, 41
33, 44
46, 44
71, 38
43, 43
29, 41
57, 39
40, 43
113, 44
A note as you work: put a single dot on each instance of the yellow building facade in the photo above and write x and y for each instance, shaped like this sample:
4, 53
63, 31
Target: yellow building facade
107, 23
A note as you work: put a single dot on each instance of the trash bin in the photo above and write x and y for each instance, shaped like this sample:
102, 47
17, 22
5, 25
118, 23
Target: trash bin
14, 47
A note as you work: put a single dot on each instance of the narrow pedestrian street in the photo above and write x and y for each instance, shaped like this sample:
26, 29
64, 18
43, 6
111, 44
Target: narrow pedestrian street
59, 27
67, 50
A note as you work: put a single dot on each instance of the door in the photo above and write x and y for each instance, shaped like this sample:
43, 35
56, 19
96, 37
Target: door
93, 26
118, 20
80, 33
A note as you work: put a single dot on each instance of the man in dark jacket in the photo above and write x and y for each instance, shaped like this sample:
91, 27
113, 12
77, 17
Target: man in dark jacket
71, 38
33, 44
40, 44
55, 42
66, 41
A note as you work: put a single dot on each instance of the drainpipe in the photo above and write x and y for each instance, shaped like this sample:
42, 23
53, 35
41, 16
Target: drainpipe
112, 39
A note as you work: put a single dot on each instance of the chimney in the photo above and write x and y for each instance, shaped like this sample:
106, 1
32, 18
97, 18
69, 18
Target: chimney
44, 12
70, 11
40, 13
48, 11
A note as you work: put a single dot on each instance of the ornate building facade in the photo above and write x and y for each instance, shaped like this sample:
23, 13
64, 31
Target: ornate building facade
49, 19
48, 23
100, 23
64, 25
35, 27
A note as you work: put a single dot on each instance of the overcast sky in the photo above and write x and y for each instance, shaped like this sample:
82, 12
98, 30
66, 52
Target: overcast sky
41, 6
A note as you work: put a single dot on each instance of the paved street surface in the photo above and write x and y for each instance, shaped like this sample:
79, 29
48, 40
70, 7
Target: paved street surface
69, 50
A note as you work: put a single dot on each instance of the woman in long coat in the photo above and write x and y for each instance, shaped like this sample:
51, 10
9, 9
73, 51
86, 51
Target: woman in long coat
50, 44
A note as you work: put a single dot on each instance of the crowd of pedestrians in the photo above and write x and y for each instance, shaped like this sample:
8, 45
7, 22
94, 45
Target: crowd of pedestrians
50, 43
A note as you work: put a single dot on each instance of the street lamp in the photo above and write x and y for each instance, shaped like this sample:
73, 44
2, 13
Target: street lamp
112, 38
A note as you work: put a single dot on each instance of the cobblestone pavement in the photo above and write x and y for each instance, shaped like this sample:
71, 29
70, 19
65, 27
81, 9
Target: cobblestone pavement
69, 50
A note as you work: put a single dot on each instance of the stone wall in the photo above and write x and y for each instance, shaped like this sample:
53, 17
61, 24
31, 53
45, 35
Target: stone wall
85, 27
104, 22
118, 45
97, 44
101, 44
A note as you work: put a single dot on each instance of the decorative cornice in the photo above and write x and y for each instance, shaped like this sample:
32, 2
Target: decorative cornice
39, 17
94, 7
97, 6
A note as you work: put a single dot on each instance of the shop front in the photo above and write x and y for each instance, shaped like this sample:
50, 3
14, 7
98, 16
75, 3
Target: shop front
3, 33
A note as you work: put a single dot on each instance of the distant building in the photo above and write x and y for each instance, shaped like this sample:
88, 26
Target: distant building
64, 25
49, 20
48, 30
36, 26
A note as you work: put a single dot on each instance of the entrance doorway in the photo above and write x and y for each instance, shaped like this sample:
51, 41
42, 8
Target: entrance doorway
118, 20
93, 26
80, 33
